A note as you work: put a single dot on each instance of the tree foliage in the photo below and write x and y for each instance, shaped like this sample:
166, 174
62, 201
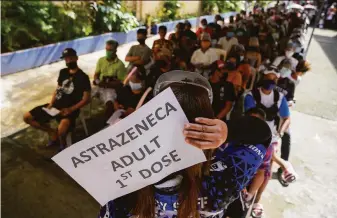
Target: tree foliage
27, 24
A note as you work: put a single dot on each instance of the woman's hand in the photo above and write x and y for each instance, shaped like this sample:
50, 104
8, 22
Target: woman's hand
206, 133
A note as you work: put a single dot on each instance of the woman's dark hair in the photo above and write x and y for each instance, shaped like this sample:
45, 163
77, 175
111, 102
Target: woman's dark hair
164, 28
142, 31
195, 103
258, 111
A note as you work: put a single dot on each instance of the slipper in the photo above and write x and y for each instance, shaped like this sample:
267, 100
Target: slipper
257, 211
280, 178
289, 175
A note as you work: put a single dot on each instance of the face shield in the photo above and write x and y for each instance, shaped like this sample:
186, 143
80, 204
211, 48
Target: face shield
182, 77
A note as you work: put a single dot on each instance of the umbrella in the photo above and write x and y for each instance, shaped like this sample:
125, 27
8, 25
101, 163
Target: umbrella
310, 7
295, 6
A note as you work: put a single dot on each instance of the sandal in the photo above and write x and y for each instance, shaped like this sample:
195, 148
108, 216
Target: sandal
257, 211
289, 175
280, 178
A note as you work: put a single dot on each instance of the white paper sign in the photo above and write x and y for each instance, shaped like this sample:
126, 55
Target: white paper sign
137, 151
51, 111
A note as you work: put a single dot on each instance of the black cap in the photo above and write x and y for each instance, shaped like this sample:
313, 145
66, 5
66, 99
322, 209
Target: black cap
68, 52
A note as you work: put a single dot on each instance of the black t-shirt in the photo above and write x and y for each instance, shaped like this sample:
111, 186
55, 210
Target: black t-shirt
127, 98
222, 92
71, 88
287, 87
190, 34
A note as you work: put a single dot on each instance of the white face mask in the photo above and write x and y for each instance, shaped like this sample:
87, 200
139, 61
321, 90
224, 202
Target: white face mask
241, 58
298, 50
214, 41
203, 26
285, 72
289, 54
276, 36
135, 86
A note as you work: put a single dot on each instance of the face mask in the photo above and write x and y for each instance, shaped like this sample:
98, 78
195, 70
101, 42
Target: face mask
203, 26
298, 50
214, 41
230, 66
239, 33
241, 58
72, 65
268, 84
285, 72
110, 54
289, 54
141, 41
135, 86
230, 34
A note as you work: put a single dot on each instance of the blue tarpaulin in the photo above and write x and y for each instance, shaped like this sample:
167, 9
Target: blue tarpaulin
34, 57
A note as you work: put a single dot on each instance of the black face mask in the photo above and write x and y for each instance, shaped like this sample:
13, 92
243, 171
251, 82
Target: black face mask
72, 65
141, 41
230, 66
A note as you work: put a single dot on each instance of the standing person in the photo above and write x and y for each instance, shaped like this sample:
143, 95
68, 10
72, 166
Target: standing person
228, 41
109, 75
204, 57
210, 182
162, 45
223, 91
274, 104
139, 55
203, 28
71, 94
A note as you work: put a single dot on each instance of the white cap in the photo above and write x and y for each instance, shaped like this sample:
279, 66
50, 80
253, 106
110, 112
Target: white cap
272, 70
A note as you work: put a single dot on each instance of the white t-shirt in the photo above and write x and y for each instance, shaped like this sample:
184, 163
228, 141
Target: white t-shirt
268, 101
227, 44
206, 58
279, 59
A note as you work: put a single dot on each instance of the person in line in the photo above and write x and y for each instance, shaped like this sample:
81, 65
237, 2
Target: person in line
162, 46
160, 67
216, 186
189, 33
243, 66
253, 54
287, 85
72, 93
109, 75
223, 91
177, 36
204, 57
228, 41
139, 55
129, 95
288, 53
233, 75
203, 29
274, 104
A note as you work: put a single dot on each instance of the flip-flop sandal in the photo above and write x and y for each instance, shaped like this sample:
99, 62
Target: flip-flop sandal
289, 175
280, 179
257, 211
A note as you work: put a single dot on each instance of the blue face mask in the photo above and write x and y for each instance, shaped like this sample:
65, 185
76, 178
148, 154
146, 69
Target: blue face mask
230, 34
268, 84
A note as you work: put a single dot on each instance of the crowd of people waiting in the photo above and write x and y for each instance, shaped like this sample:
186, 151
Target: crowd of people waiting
253, 63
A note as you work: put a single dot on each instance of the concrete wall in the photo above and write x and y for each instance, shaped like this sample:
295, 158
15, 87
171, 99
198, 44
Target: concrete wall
152, 7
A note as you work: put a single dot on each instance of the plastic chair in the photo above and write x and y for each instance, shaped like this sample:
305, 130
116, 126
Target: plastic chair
69, 135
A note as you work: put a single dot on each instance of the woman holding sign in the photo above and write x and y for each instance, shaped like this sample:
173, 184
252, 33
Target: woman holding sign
234, 152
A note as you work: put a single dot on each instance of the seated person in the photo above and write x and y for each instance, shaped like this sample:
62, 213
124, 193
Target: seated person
233, 75
228, 41
156, 70
203, 29
204, 57
243, 65
109, 75
139, 55
72, 93
189, 33
175, 37
162, 45
253, 53
223, 91
129, 95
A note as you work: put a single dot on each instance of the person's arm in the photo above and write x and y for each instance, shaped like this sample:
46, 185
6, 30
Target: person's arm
53, 98
285, 115
97, 72
130, 57
249, 102
223, 113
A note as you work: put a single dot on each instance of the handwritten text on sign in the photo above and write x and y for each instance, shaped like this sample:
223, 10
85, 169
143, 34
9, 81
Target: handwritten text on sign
138, 151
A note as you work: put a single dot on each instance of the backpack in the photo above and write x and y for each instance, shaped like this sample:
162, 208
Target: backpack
271, 112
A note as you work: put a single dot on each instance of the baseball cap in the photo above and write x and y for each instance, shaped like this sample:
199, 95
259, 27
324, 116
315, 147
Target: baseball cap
184, 77
205, 37
68, 52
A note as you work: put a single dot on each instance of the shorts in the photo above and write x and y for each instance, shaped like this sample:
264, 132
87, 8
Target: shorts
266, 165
104, 94
43, 117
